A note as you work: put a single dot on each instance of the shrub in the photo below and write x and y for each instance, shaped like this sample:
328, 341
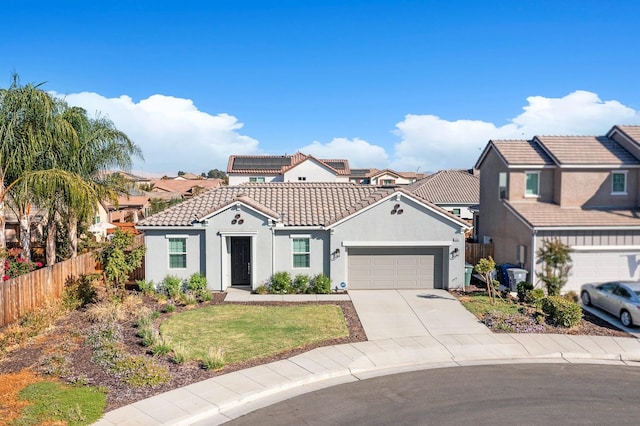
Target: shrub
197, 282
522, 288
281, 283
214, 359
188, 298
561, 311
301, 283
533, 297
572, 296
172, 286
262, 289
321, 284
146, 287
15, 264
169, 308
79, 292
108, 352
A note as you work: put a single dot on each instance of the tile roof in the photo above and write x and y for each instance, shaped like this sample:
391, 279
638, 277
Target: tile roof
297, 204
129, 201
184, 186
631, 131
278, 164
586, 150
539, 214
522, 152
448, 187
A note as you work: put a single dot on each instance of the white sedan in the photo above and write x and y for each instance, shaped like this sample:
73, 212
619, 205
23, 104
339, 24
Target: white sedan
619, 298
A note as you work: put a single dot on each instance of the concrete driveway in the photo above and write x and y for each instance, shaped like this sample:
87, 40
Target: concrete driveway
387, 314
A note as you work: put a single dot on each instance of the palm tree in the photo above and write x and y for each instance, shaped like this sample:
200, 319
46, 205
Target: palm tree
30, 124
98, 147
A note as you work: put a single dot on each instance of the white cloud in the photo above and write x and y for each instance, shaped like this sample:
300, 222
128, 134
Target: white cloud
431, 143
360, 153
172, 133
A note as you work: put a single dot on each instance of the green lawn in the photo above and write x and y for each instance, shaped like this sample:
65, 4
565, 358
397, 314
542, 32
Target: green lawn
479, 304
55, 402
244, 332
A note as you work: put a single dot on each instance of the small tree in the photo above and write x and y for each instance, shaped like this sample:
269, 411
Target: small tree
556, 259
484, 267
119, 260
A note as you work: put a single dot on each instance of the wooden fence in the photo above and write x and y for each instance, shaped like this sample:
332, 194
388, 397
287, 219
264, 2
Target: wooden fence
473, 252
25, 293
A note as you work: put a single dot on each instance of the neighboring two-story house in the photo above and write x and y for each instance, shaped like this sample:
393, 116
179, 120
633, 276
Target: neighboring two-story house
584, 190
285, 168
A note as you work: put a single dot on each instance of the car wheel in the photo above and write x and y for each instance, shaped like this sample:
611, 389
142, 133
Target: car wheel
625, 318
586, 299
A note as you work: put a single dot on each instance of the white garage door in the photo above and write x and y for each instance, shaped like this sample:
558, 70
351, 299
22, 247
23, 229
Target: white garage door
602, 265
395, 268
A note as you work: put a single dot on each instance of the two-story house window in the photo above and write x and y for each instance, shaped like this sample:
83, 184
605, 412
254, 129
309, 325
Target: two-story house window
256, 179
532, 184
619, 182
502, 185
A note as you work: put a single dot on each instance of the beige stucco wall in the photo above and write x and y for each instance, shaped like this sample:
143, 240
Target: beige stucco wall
492, 211
517, 184
592, 188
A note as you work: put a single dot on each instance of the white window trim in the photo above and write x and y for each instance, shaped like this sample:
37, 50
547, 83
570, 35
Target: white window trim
293, 253
176, 237
506, 186
626, 182
257, 179
531, 172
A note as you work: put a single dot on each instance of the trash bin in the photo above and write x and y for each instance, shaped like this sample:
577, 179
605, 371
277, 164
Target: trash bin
502, 275
468, 269
515, 276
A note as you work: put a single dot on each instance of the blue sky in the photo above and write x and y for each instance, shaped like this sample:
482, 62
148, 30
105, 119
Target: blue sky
410, 85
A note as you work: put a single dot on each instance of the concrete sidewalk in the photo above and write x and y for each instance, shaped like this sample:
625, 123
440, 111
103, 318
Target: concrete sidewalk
219, 399
427, 336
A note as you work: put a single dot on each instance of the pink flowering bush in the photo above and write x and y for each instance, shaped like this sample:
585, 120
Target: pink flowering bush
15, 264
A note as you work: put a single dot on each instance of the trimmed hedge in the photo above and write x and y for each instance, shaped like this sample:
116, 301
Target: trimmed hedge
561, 311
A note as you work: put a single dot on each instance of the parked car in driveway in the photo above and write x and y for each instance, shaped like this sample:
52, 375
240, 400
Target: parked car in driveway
619, 298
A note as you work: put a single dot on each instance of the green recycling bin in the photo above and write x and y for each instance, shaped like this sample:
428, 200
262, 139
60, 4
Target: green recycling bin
468, 269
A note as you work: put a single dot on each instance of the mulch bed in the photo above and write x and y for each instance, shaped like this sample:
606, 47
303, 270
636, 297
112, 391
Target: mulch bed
80, 366
590, 325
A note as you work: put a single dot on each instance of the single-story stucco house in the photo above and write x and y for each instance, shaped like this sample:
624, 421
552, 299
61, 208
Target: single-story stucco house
363, 237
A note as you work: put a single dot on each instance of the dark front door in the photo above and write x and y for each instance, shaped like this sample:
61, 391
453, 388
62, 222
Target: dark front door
240, 260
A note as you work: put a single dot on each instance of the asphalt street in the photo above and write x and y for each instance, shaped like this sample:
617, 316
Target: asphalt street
523, 394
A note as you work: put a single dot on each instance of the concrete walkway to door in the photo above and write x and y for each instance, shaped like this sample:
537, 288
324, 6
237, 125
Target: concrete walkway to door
387, 314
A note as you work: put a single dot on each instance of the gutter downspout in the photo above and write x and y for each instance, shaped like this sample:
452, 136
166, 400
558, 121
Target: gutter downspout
533, 257
273, 250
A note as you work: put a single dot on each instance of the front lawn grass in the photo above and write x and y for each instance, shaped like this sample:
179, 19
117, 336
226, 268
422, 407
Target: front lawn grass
56, 403
245, 332
479, 305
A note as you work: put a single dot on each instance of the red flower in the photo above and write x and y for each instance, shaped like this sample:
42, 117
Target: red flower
5, 278
38, 264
